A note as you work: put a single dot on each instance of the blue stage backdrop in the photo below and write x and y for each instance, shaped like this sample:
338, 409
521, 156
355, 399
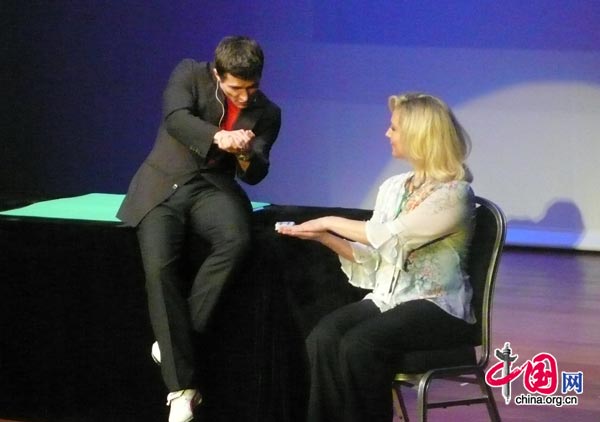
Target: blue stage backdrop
84, 82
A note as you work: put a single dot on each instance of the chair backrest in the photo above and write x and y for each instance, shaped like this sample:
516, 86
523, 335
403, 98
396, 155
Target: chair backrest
484, 258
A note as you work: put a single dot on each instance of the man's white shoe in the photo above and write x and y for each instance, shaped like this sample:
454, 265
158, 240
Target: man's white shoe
156, 352
182, 404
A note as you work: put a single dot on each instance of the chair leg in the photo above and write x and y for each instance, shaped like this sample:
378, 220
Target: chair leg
399, 406
491, 401
422, 398
423, 391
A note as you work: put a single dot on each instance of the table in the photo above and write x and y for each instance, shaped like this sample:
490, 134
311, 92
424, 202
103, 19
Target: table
75, 336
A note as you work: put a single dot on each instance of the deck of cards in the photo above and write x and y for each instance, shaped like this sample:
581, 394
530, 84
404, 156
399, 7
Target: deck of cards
281, 224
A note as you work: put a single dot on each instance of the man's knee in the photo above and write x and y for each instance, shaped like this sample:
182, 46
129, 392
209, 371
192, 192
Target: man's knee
234, 242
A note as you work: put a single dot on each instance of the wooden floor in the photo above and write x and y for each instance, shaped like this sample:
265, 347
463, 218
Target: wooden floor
546, 301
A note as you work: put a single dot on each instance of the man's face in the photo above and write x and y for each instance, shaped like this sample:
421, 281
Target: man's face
239, 91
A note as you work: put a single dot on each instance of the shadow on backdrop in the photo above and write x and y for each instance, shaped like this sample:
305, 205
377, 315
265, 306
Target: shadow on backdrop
561, 227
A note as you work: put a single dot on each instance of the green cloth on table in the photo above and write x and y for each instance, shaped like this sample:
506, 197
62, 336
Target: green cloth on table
93, 206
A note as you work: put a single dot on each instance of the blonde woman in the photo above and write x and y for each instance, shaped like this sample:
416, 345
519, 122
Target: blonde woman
411, 255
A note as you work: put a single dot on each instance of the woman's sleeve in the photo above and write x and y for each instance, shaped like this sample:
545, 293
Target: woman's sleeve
439, 215
361, 272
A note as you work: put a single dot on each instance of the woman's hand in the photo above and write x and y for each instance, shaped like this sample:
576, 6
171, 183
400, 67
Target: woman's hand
309, 230
321, 230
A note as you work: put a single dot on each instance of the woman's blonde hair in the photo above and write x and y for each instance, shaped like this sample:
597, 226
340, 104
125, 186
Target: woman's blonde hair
434, 141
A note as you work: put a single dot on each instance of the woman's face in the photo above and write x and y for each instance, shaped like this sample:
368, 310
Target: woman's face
396, 139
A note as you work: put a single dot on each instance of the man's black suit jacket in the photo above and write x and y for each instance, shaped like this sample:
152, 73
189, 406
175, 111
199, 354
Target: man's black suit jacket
193, 106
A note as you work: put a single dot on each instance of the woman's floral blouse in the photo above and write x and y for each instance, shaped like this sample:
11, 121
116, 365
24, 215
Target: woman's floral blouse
419, 242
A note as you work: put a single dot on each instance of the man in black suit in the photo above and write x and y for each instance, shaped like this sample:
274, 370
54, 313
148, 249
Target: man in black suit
216, 125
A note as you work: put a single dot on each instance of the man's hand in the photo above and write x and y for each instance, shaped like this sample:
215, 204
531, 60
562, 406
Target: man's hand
234, 141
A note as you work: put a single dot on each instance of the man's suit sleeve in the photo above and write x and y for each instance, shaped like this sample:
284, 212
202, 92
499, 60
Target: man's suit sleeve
179, 99
266, 132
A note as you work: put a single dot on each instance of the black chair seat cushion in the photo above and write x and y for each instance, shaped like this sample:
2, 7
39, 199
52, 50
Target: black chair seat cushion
420, 361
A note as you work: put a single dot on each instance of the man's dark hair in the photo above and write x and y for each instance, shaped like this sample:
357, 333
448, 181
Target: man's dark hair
239, 56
